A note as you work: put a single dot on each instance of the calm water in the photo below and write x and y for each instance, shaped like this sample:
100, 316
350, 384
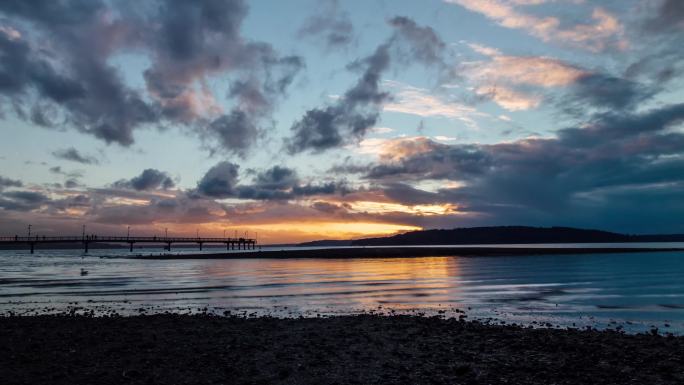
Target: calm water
636, 290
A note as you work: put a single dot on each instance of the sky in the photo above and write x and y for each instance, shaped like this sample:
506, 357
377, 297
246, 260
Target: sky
300, 120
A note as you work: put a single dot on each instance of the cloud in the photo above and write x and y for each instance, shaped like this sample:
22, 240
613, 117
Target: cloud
276, 183
198, 40
353, 114
106, 209
277, 177
508, 98
606, 31
422, 158
418, 101
571, 177
88, 90
660, 62
510, 81
484, 50
333, 24
56, 170
177, 212
609, 92
220, 180
669, 17
382, 130
80, 201
502, 78
20, 200
70, 174
149, 179
71, 183
399, 148
62, 72
7, 182
349, 117
526, 70
236, 131
73, 155
422, 43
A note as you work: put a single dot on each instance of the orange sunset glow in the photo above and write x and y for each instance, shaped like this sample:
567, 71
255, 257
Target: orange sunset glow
287, 232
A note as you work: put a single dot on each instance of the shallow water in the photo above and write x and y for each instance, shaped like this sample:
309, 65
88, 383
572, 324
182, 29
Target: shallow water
636, 291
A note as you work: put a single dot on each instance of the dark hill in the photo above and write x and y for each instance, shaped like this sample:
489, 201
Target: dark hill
511, 235
327, 242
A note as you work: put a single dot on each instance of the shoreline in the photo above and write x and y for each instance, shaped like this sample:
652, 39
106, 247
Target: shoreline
404, 252
201, 349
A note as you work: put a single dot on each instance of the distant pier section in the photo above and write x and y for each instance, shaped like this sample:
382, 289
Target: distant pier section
32, 241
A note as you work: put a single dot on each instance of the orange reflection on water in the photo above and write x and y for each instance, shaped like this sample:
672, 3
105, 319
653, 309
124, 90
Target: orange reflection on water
355, 283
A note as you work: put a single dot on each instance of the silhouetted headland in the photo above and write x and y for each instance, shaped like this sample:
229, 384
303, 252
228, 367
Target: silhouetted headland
501, 235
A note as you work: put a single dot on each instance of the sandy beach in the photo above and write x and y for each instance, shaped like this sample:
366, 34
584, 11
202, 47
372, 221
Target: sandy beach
367, 349
403, 252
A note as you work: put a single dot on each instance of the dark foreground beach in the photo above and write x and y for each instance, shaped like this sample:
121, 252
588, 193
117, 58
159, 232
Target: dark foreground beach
406, 252
367, 349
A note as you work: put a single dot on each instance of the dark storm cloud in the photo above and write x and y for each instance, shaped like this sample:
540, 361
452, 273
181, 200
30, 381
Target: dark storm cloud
276, 183
354, 113
573, 177
149, 179
71, 81
332, 24
73, 155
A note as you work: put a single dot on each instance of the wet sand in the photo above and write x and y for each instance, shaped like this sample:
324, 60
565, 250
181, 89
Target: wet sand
404, 252
366, 349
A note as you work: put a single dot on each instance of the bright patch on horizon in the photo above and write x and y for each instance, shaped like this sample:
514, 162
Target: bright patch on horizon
342, 230
384, 207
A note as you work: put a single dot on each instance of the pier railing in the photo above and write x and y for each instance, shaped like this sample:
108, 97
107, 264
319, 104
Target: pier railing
36, 238
241, 243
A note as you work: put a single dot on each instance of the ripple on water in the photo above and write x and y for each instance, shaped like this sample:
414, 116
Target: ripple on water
643, 289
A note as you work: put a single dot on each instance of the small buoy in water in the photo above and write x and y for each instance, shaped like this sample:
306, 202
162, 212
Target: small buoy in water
84, 271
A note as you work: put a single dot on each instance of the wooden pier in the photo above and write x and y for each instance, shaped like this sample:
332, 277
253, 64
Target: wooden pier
32, 241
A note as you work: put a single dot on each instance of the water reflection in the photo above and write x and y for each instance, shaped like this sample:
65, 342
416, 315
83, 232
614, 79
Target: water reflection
645, 289
363, 284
